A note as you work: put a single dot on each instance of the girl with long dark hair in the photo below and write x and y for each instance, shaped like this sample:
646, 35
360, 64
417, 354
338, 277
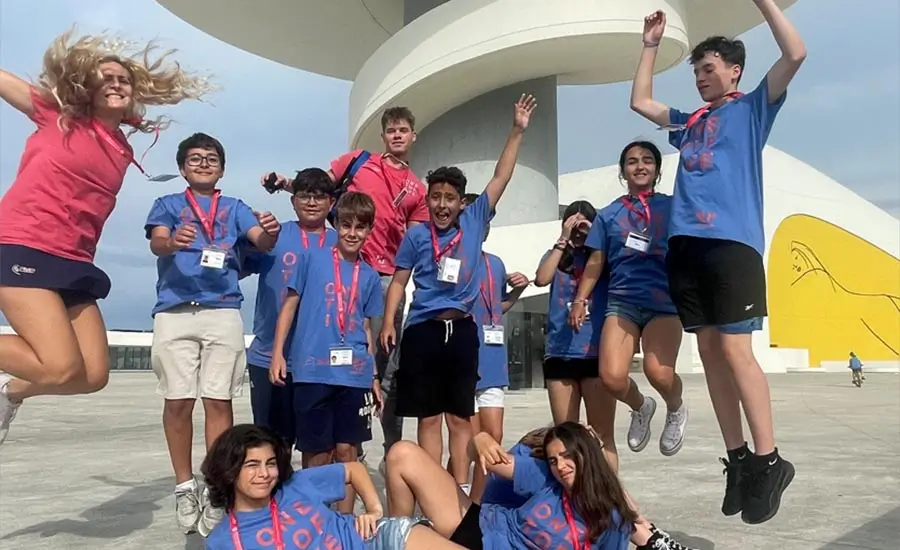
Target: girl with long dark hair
628, 240
572, 498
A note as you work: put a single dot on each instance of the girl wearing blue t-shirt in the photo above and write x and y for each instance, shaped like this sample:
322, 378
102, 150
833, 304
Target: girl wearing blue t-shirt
629, 241
573, 499
248, 472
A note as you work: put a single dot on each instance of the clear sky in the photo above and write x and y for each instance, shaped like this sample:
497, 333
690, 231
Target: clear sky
271, 117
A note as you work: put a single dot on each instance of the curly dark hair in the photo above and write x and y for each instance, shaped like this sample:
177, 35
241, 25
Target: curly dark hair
597, 490
450, 175
224, 461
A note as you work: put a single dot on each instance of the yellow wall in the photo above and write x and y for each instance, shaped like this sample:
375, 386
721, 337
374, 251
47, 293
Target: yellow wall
832, 292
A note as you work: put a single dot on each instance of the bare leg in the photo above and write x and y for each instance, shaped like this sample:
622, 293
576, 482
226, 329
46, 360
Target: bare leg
753, 388
662, 338
721, 386
345, 453
431, 437
617, 344
460, 434
600, 407
565, 400
424, 538
219, 417
179, 429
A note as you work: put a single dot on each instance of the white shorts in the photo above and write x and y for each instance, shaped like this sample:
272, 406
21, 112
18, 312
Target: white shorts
199, 352
489, 397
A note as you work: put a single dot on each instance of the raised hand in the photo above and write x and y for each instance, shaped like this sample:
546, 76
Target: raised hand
654, 27
517, 280
268, 222
281, 182
524, 107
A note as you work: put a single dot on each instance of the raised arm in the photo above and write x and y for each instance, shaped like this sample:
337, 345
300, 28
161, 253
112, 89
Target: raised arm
361, 482
484, 451
547, 269
642, 101
16, 92
507, 163
793, 50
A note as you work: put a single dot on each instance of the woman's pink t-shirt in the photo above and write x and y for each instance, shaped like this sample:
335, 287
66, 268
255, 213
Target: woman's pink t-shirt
66, 186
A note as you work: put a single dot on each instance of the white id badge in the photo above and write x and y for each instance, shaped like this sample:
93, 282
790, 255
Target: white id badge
638, 242
448, 270
212, 258
493, 335
341, 357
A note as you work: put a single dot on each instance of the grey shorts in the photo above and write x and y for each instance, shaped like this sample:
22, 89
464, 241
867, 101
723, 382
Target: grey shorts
391, 533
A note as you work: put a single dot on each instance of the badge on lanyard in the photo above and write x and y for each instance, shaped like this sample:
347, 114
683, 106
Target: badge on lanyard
211, 257
116, 144
493, 333
341, 355
639, 241
448, 267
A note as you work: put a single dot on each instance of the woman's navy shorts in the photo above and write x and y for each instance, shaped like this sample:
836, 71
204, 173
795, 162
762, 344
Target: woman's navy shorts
76, 282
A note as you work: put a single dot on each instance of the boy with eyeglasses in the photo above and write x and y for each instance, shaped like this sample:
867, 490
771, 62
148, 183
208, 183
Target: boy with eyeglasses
198, 345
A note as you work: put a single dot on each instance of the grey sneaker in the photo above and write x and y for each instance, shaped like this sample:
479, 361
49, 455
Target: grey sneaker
672, 437
639, 431
209, 516
187, 508
8, 407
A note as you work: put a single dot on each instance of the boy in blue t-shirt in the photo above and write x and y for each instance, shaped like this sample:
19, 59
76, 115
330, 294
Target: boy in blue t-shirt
856, 370
716, 240
324, 327
311, 197
198, 345
438, 366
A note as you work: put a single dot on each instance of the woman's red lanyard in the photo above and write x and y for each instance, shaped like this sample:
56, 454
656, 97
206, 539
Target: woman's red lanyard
305, 239
438, 252
488, 296
116, 144
207, 219
339, 290
645, 215
573, 529
276, 528
698, 114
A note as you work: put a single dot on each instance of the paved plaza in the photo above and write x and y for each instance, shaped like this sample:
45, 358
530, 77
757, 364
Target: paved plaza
92, 472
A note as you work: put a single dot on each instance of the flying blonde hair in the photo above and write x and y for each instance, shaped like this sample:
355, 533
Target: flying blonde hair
71, 73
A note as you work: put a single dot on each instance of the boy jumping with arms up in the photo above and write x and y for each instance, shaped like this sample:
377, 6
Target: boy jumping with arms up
716, 241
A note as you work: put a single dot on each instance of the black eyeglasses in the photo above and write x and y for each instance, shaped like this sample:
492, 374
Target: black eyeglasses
311, 197
197, 160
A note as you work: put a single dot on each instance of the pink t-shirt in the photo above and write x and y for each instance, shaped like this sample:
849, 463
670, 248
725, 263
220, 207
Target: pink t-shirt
399, 198
66, 186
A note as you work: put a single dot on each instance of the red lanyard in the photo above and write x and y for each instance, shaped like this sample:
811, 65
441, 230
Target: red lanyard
705, 109
276, 528
645, 215
339, 290
387, 183
207, 220
116, 144
489, 296
306, 239
439, 253
573, 529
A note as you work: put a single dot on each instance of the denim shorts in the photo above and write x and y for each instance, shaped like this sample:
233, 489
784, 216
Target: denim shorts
391, 533
640, 316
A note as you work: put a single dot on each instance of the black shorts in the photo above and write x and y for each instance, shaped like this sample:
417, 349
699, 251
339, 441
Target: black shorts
468, 533
715, 282
76, 282
560, 368
327, 415
272, 406
438, 369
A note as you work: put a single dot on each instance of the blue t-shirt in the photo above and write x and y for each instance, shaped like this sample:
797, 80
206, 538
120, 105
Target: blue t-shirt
317, 329
181, 277
540, 522
719, 188
493, 367
416, 253
500, 491
276, 268
303, 511
855, 363
636, 277
562, 341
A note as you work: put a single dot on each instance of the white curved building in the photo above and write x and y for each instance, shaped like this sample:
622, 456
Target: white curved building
832, 258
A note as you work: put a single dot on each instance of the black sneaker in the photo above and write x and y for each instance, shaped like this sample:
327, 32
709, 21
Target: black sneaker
734, 472
766, 481
660, 540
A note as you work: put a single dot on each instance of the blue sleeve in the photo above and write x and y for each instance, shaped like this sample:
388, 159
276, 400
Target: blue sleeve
764, 113
159, 217
373, 301
326, 482
596, 238
244, 218
406, 254
530, 476
301, 274
677, 118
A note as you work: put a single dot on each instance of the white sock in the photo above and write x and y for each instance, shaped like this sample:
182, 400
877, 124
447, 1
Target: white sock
185, 486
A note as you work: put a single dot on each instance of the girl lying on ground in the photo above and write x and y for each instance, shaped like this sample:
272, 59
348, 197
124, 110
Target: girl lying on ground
570, 499
248, 472
500, 491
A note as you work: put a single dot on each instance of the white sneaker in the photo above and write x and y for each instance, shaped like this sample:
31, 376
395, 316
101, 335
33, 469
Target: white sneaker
209, 515
8, 408
673, 433
639, 431
187, 506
